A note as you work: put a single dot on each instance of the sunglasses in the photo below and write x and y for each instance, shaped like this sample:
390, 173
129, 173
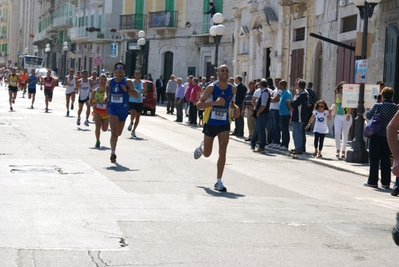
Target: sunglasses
120, 67
320, 106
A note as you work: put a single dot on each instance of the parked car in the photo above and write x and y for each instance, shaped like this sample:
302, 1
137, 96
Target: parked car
150, 100
43, 72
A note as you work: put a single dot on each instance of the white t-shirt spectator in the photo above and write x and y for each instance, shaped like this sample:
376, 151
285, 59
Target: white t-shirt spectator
276, 105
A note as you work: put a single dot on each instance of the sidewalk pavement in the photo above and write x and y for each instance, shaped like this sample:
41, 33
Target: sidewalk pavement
328, 160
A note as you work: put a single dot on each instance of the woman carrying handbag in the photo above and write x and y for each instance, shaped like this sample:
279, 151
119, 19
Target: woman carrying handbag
379, 150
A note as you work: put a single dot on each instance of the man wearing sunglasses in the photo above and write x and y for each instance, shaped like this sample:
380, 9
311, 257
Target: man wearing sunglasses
118, 89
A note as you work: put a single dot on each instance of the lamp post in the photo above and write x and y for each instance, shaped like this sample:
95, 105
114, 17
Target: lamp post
359, 154
47, 50
217, 31
64, 65
141, 42
35, 50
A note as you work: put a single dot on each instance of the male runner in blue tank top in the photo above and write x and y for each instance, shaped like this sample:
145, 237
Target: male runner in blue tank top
217, 121
118, 89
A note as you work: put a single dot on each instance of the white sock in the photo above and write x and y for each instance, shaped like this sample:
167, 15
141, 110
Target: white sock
219, 180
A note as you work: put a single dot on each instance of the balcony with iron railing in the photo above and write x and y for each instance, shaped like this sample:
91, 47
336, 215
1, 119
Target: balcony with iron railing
62, 22
132, 22
104, 35
78, 33
162, 19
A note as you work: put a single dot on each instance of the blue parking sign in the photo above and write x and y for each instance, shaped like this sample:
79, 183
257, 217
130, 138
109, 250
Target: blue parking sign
114, 48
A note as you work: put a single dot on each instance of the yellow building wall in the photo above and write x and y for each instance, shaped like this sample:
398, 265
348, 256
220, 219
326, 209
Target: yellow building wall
128, 7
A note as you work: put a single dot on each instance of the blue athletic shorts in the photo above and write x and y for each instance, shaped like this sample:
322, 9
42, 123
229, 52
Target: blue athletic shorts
122, 113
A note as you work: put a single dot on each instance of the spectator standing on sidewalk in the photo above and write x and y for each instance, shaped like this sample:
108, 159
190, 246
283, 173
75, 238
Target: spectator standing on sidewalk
194, 98
159, 84
248, 108
321, 114
171, 91
379, 149
179, 100
299, 116
342, 121
285, 114
239, 101
269, 129
187, 94
262, 111
275, 115
311, 102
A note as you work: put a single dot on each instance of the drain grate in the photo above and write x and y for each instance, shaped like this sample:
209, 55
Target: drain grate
35, 169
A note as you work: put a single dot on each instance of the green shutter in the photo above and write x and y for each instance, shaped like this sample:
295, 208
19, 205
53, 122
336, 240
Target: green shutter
100, 19
170, 6
92, 21
219, 6
139, 11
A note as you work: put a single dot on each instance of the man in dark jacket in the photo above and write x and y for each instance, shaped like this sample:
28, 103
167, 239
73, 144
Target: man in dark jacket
160, 85
299, 116
239, 101
311, 102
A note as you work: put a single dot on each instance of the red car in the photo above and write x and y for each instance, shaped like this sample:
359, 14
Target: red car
150, 100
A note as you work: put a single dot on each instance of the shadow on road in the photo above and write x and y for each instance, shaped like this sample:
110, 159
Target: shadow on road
83, 130
120, 168
221, 194
100, 148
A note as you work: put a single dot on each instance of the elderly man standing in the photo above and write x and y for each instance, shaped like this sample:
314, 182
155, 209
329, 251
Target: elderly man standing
170, 92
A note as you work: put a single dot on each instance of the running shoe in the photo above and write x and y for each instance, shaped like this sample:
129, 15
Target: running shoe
13, 101
78, 122
220, 187
198, 151
67, 113
86, 123
134, 134
97, 144
31, 106
129, 128
11, 108
46, 110
113, 158
72, 106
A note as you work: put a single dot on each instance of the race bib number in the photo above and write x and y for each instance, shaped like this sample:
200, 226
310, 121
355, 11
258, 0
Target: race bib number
84, 88
48, 84
101, 105
219, 114
13, 83
117, 99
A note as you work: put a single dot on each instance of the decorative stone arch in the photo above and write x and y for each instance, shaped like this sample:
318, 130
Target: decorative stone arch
162, 51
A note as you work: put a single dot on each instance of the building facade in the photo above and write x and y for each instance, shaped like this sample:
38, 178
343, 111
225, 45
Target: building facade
263, 38
5, 7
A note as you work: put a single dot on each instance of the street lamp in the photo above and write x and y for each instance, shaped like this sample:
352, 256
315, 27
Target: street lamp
217, 31
47, 50
140, 42
65, 49
359, 154
35, 50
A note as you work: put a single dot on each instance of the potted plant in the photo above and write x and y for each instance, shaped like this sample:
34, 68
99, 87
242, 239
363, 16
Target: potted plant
31, 35
97, 29
100, 35
113, 30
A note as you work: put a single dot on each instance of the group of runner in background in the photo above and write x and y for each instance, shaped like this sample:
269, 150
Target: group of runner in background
108, 100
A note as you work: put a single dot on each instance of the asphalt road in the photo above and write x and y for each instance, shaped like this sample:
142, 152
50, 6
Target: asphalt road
62, 203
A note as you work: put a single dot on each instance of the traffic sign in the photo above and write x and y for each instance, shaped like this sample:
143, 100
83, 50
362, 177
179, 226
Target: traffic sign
361, 71
114, 49
98, 61
350, 95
